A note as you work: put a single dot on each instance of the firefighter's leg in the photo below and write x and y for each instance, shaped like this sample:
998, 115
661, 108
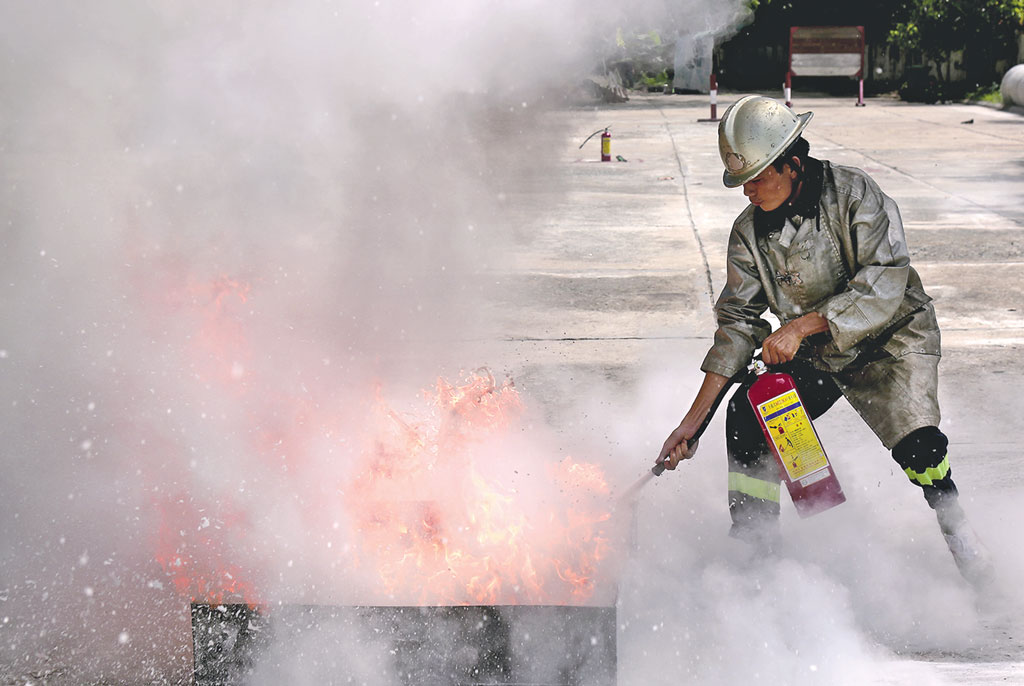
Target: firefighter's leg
923, 457
754, 483
753, 474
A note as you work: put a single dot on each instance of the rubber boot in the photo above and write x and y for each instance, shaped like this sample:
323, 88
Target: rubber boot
969, 553
763, 536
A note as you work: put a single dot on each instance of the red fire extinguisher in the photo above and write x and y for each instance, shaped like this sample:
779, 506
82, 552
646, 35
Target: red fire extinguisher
787, 426
606, 143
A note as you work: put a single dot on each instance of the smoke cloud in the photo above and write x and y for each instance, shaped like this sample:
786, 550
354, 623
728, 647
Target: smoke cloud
232, 234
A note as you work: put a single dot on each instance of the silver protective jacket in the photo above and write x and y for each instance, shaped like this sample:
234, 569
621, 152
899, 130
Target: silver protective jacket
849, 263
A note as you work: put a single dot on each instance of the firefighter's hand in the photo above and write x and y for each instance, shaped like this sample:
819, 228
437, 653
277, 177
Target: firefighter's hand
676, 449
782, 344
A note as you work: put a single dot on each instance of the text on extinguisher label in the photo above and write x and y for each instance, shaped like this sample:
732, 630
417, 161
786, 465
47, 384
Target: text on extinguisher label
814, 478
792, 434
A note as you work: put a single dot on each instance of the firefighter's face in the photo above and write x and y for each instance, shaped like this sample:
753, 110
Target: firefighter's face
769, 189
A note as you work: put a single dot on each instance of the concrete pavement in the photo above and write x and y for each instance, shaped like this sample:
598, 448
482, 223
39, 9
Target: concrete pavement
959, 187
618, 277
632, 254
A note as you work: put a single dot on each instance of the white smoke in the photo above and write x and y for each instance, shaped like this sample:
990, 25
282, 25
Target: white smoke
864, 593
205, 203
694, 48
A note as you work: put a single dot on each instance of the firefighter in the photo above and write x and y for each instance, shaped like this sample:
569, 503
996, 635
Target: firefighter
823, 248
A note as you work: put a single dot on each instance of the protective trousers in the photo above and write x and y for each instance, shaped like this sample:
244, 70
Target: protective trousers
754, 482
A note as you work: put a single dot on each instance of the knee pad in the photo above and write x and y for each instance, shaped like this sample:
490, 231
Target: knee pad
922, 455
922, 449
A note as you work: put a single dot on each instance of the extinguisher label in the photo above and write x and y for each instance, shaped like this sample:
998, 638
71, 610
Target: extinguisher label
794, 438
814, 478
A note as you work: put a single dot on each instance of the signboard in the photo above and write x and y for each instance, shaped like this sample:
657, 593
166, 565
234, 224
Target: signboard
826, 51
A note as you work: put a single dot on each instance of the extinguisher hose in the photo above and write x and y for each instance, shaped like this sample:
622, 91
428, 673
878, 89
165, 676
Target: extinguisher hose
629, 496
592, 135
736, 378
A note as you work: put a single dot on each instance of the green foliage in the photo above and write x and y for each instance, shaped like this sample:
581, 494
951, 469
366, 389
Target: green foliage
986, 93
661, 78
927, 32
985, 29
774, 17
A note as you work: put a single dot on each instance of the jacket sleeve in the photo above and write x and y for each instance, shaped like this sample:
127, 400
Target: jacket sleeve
881, 265
738, 310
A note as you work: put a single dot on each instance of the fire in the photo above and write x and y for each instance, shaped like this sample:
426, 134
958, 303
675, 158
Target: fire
475, 540
195, 560
450, 503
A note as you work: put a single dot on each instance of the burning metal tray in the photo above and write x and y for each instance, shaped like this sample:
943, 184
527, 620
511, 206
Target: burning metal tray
525, 645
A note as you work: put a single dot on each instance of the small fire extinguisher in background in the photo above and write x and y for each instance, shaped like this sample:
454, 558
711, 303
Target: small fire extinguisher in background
787, 426
606, 143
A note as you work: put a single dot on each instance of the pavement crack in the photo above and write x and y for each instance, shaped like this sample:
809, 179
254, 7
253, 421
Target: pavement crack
689, 214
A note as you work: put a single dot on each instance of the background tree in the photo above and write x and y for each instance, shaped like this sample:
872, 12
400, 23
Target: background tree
986, 31
930, 30
744, 62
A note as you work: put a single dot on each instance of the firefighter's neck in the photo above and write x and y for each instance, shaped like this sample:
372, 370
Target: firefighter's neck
795, 195
798, 185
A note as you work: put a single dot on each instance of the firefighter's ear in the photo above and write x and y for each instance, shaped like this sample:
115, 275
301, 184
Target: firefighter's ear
795, 168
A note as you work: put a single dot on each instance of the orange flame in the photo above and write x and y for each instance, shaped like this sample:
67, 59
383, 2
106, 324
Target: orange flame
476, 541
442, 514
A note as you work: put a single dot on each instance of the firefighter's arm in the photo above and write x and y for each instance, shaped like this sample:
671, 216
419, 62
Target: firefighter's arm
738, 311
676, 448
781, 345
880, 272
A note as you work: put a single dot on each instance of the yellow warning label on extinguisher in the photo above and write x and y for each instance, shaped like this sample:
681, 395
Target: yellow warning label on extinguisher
791, 431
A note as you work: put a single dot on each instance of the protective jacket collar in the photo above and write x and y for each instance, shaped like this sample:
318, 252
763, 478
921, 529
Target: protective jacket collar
804, 206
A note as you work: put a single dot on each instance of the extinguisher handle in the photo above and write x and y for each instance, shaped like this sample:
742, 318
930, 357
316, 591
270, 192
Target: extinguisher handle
659, 468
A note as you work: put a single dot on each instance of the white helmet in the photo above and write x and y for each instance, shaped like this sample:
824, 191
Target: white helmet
753, 133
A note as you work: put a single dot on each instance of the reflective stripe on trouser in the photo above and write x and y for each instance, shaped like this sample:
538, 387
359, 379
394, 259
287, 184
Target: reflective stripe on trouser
923, 456
755, 488
931, 474
753, 491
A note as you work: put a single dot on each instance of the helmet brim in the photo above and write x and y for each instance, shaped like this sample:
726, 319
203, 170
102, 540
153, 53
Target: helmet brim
734, 180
